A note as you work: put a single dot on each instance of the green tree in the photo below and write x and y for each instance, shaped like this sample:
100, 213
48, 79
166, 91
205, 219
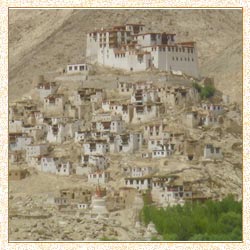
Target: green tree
207, 91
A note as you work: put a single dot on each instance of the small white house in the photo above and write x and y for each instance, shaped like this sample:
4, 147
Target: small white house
49, 164
114, 126
213, 153
45, 89
99, 177
127, 143
145, 112
98, 161
82, 135
20, 143
210, 120
64, 168
137, 171
83, 68
35, 150
82, 206
96, 147
161, 151
215, 109
15, 126
141, 96
154, 142
54, 103
125, 88
61, 132
140, 183
192, 119
117, 108
15, 156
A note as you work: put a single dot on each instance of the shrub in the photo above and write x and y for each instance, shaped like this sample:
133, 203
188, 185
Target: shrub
207, 91
211, 221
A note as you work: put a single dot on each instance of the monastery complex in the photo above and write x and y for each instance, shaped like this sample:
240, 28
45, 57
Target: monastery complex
130, 48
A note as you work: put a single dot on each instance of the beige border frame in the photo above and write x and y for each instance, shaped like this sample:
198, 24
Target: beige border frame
4, 137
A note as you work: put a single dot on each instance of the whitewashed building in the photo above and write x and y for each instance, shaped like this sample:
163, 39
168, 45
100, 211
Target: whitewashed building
116, 125
45, 89
98, 161
96, 147
127, 142
15, 126
140, 183
99, 177
54, 103
64, 168
212, 153
214, 109
137, 171
35, 150
145, 112
169, 190
162, 151
82, 68
60, 132
129, 48
20, 142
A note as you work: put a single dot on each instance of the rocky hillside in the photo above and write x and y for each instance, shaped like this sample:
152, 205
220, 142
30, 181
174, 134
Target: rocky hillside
43, 41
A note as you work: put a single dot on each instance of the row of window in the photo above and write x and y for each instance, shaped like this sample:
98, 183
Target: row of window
81, 68
175, 49
119, 55
217, 150
137, 182
212, 107
186, 59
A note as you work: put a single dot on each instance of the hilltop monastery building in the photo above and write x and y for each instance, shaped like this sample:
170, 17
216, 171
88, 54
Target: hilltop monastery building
130, 48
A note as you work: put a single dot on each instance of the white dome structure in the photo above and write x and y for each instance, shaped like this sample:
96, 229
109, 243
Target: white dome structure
99, 202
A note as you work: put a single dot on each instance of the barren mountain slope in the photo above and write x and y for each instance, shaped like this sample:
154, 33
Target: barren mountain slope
43, 41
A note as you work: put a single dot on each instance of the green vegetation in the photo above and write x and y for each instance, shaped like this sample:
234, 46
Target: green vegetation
208, 221
206, 91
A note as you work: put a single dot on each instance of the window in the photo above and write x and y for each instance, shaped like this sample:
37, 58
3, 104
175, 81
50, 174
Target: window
169, 49
81, 68
173, 58
70, 68
173, 49
192, 59
183, 49
164, 49
76, 67
176, 49
176, 58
